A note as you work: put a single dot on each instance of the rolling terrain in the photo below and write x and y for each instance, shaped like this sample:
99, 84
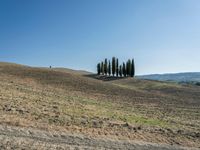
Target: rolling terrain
176, 77
66, 101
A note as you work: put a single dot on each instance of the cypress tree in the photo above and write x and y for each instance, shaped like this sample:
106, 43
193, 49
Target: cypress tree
124, 69
120, 70
113, 66
117, 67
127, 71
109, 68
132, 68
129, 67
98, 68
106, 66
102, 68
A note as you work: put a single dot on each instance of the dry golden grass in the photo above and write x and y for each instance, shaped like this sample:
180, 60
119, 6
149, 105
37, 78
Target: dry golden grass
126, 109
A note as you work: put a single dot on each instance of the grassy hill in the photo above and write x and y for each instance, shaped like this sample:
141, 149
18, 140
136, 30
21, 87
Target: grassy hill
177, 77
68, 100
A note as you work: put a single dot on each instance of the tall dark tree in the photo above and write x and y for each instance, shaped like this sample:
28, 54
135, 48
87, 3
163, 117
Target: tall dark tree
124, 69
109, 68
129, 67
127, 71
102, 68
132, 68
98, 68
113, 66
120, 70
117, 67
106, 66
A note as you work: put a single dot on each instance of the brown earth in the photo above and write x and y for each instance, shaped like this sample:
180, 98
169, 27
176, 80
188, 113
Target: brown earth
63, 100
28, 138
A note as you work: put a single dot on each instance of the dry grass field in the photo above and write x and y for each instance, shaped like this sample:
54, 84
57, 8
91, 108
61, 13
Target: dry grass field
126, 109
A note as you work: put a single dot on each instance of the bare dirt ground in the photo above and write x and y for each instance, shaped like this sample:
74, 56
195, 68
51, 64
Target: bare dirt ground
28, 138
66, 101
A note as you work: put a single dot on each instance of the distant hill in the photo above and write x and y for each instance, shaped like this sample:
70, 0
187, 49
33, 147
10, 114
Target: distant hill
177, 77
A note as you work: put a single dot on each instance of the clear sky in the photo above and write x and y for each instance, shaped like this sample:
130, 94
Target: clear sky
162, 35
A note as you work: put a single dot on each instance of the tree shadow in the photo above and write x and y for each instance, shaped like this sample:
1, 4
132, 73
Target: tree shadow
104, 77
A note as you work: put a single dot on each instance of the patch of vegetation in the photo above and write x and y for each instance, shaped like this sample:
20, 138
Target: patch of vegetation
123, 70
92, 108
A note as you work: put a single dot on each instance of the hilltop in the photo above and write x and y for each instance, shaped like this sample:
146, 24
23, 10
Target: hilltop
65, 100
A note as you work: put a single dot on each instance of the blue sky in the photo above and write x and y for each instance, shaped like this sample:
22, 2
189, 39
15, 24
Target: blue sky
162, 35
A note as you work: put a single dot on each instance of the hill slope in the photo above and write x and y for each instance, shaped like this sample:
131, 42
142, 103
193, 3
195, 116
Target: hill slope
177, 77
129, 109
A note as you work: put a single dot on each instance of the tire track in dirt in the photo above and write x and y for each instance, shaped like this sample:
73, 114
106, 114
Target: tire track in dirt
29, 138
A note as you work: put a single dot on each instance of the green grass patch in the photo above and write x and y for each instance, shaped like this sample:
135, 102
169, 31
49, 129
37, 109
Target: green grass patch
91, 108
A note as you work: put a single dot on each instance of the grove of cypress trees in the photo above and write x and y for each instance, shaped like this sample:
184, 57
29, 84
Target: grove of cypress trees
132, 68
106, 66
109, 68
98, 68
117, 67
113, 66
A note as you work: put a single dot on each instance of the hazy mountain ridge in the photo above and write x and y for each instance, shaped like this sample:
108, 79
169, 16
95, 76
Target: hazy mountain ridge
177, 77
